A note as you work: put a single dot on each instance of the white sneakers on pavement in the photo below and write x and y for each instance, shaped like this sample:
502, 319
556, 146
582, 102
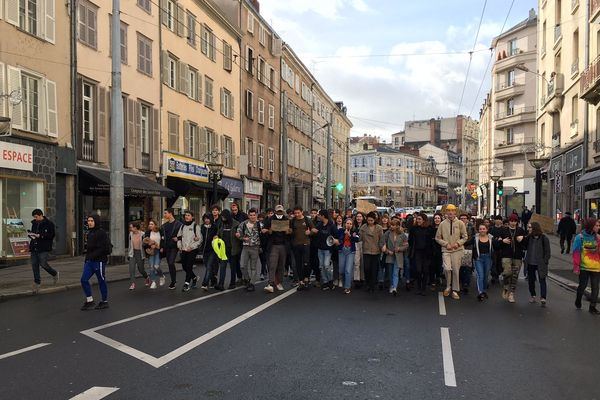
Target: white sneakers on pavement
269, 289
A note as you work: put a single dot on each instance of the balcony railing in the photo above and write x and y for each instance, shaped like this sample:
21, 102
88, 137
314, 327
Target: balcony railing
588, 82
508, 84
146, 161
88, 150
515, 111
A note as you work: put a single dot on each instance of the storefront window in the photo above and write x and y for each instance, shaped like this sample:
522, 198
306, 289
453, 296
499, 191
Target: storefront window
19, 199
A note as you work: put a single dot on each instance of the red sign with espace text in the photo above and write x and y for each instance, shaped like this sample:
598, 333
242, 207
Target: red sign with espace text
16, 156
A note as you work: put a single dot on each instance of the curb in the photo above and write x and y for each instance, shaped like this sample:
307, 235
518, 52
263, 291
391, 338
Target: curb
568, 284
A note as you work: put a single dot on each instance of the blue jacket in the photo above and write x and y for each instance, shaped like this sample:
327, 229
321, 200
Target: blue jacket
354, 238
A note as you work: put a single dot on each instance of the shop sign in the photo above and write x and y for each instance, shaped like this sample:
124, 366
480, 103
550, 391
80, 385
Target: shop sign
555, 166
184, 167
16, 156
253, 187
574, 160
234, 186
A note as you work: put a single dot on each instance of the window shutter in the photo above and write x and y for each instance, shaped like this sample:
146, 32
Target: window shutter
3, 102
197, 135
103, 128
202, 145
51, 108
11, 11
155, 140
203, 41
164, 16
138, 135
186, 139
184, 71
131, 135
165, 67
199, 78
223, 150
15, 111
231, 107
223, 102
180, 15
233, 154
50, 21
214, 143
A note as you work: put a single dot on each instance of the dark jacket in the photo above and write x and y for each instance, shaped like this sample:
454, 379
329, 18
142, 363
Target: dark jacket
45, 228
98, 245
168, 232
227, 232
240, 216
567, 226
538, 253
208, 233
420, 238
474, 243
354, 238
278, 237
324, 232
514, 250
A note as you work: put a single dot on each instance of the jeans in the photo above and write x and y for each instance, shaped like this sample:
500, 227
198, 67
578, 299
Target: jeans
371, 267
188, 258
511, 268
154, 263
136, 261
346, 266
277, 262
249, 259
94, 268
313, 261
394, 269
483, 265
301, 255
209, 260
594, 278
40, 259
325, 265
171, 255
531, 272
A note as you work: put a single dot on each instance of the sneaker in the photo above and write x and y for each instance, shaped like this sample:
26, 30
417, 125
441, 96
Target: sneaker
35, 288
186, 287
250, 287
262, 277
269, 288
161, 281
153, 285
220, 288
280, 287
102, 305
132, 286
594, 310
394, 292
147, 283
480, 297
325, 287
301, 286
543, 302
194, 282
87, 305
447, 292
511, 297
532, 299
485, 295
204, 287
347, 291
455, 296
56, 277
172, 286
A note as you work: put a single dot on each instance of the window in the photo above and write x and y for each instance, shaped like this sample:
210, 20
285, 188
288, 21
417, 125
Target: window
250, 60
250, 22
262, 35
88, 109
510, 136
271, 116
510, 78
250, 151
87, 24
510, 107
271, 157
249, 104
226, 103
173, 132
145, 128
172, 72
144, 5
208, 92
261, 70
228, 152
208, 43
193, 85
261, 156
28, 16
191, 27
227, 56
144, 55
512, 47
171, 12
575, 110
261, 111
30, 87
191, 140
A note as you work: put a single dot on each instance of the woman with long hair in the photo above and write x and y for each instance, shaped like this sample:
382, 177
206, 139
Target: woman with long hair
395, 243
371, 236
483, 253
348, 238
136, 238
152, 249
359, 272
536, 260
586, 261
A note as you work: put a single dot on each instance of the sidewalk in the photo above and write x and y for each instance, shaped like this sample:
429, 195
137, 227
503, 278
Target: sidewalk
560, 269
17, 281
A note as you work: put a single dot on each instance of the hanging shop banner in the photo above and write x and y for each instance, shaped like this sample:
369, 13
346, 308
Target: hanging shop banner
574, 160
184, 167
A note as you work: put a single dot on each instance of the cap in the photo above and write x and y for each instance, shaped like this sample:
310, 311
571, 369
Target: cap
451, 207
513, 218
279, 207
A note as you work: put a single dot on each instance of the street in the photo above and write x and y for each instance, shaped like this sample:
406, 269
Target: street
297, 345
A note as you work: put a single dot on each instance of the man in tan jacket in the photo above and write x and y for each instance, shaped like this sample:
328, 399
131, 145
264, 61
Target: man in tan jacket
451, 236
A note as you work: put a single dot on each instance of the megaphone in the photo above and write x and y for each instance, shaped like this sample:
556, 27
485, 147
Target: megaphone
330, 241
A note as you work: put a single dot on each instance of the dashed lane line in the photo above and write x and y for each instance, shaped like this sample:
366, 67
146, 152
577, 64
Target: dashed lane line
95, 393
26, 349
442, 303
449, 374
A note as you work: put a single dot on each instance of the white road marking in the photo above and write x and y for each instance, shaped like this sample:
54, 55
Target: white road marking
158, 362
449, 375
442, 303
95, 393
26, 349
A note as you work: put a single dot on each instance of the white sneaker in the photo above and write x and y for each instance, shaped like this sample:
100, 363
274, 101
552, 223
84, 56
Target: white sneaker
132, 287
153, 285
269, 288
161, 281
56, 277
280, 287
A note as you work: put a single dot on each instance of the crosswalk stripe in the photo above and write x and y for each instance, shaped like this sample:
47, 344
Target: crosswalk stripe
26, 349
95, 393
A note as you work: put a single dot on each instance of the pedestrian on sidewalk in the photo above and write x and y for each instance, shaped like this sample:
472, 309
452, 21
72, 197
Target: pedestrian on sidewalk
451, 235
483, 254
152, 249
249, 233
586, 261
566, 229
136, 259
189, 239
41, 236
98, 247
278, 242
537, 258
226, 231
525, 216
371, 237
168, 243
208, 231
511, 247
301, 226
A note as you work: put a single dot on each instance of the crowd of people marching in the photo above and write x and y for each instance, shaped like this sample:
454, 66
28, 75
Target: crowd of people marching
352, 250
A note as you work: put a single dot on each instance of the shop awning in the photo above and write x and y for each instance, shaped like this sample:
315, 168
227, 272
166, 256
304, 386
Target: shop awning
589, 178
97, 181
184, 187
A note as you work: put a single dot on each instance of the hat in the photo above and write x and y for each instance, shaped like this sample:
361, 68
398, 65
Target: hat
451, 207
279, 207
513, 218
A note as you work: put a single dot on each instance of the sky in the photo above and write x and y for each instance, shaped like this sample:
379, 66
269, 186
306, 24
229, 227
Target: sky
388, 60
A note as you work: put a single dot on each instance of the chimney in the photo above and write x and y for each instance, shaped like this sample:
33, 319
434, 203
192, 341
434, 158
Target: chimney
256, 5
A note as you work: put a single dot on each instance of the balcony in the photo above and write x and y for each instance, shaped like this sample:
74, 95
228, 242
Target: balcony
88, 150
589, 82
517, 146
506, 90
554, 90
557, 35
594, 10
515, 117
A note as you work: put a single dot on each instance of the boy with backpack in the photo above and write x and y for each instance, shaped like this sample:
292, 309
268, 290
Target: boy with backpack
189, 239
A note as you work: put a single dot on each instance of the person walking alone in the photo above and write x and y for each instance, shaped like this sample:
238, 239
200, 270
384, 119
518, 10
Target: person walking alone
41, 236
98, 247
586, 262
189, 239
566, 229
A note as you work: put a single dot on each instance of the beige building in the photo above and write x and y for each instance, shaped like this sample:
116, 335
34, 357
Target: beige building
561, 121
200, 66
340, 155
488, 167
37, 166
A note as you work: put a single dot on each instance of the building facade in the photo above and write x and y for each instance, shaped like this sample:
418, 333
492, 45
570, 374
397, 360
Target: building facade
37, 160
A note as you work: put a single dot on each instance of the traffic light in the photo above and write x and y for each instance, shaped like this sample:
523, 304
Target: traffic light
500, 188
339, 186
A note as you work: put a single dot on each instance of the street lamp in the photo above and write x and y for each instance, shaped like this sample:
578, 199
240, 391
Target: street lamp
538, 163
495, 178
215, 174
524, 68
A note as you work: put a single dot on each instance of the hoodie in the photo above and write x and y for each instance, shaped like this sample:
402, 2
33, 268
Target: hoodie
98, 246
586, 252
45, 228
186, 237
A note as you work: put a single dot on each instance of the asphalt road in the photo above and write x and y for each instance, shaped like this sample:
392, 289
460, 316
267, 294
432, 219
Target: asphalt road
308, 345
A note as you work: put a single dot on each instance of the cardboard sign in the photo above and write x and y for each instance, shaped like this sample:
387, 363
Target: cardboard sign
280, 226
365, 207
546, 223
